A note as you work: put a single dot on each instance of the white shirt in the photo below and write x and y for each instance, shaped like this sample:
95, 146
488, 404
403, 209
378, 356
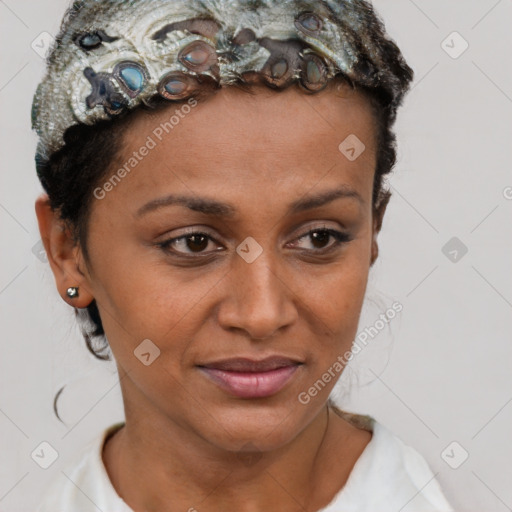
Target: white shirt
389, 476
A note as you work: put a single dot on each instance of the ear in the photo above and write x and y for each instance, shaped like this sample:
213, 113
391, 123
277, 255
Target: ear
63, 254
378, 216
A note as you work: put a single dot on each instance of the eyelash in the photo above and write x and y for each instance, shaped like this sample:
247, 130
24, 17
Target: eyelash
339, 236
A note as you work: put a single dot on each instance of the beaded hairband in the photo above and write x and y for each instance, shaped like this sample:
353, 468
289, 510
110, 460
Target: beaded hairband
112, 55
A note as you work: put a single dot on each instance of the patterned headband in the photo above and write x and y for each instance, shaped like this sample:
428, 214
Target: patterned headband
112, 55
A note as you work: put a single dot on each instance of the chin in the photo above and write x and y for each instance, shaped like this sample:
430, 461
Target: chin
260, 424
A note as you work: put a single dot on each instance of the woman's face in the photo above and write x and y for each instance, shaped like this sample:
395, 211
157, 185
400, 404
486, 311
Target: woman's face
252, 175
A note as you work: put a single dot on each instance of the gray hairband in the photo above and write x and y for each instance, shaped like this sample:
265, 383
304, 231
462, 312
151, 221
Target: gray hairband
111, 55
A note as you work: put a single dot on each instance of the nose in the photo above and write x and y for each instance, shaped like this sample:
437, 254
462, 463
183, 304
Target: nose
259, 299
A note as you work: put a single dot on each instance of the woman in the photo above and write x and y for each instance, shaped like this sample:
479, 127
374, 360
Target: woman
230, 311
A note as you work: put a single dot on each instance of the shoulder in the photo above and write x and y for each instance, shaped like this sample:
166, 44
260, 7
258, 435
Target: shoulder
83, 484
388, 476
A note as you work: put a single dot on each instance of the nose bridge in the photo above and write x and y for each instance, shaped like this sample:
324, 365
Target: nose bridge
259, 301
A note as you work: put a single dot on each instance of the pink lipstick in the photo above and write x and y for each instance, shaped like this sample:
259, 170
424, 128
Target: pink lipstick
248, 378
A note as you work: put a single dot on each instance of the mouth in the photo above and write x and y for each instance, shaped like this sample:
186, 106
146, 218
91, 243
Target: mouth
248, 378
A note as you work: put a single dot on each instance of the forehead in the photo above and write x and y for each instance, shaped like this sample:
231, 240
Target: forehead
235, 140
232, 113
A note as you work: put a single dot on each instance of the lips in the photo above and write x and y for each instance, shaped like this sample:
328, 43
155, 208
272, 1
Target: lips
249, 365
248, 378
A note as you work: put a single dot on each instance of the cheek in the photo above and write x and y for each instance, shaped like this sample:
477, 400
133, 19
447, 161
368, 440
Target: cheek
345, 280
336, 297
153, 300
339, 300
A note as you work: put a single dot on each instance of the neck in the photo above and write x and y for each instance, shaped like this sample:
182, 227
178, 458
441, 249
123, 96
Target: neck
152, 465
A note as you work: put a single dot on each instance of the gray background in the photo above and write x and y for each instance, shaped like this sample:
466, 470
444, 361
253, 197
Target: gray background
440, 373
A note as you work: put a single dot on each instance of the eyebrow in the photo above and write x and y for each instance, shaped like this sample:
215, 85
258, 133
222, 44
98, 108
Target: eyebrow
213, 207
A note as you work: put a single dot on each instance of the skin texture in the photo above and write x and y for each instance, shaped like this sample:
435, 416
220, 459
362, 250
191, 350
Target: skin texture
186, 441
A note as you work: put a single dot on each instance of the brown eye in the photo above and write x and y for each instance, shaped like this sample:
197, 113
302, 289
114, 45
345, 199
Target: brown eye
320, 239
197, 242
190, 243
